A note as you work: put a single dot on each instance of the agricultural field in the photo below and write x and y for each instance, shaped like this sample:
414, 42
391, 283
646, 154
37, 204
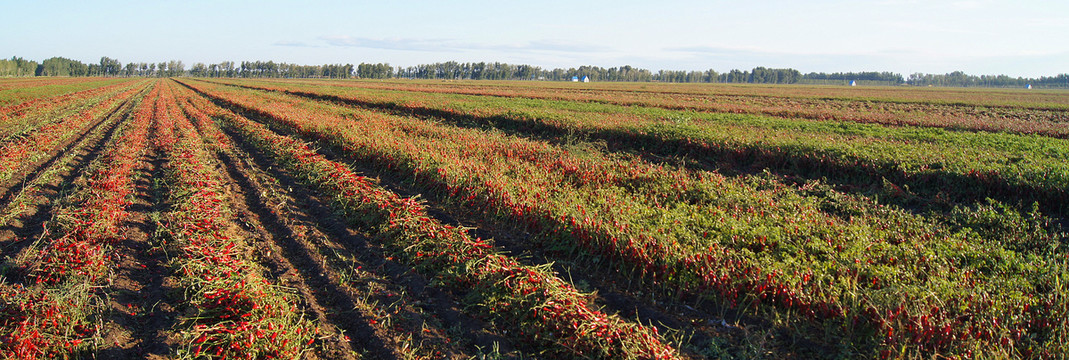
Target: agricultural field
353, 219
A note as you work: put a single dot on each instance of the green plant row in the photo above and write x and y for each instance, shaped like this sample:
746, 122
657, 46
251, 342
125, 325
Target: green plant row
53, 311
883, 278
1042, 114
235, 312
536, 307
30, 148
48, 111
937, 165
19, 96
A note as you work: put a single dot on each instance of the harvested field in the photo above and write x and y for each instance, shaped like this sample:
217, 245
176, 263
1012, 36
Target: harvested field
326, 219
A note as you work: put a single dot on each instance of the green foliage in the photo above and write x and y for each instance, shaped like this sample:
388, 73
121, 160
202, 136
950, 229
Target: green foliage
374, 71
17, 66
958, 78
58, 66
1030, 232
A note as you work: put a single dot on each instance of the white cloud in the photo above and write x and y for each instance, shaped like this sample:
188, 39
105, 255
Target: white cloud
450, 45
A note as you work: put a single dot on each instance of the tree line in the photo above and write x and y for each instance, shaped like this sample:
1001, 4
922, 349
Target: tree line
452, 70
59, 66
962, 79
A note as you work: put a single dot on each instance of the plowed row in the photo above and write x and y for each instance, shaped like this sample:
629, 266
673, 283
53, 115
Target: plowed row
186, 218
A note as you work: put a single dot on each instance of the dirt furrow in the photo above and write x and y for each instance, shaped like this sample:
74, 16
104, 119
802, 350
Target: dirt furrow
344, 265
288, 262
142, 297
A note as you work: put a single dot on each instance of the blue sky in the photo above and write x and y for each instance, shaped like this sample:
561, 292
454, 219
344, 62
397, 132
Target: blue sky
1017, 38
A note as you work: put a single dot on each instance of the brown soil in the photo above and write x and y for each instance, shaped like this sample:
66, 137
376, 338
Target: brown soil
271, 231
142, 297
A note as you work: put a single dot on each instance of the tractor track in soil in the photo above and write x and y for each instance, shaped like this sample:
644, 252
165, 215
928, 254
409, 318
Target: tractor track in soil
143, 296
279, 252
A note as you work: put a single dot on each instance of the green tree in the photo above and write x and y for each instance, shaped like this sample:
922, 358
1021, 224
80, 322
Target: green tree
18, 66
199, 69
110, 67
175, 68
58, 66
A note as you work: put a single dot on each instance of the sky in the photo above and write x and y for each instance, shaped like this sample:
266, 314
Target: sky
1027, 38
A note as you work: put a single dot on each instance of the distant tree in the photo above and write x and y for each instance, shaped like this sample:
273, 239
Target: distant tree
7, 67
199, 70
735, 76
110, 67
130, 70
226, 69
374, 71
58, 66
959, 78
710, 76
18, 66
79, 68
175, 68
871, 77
